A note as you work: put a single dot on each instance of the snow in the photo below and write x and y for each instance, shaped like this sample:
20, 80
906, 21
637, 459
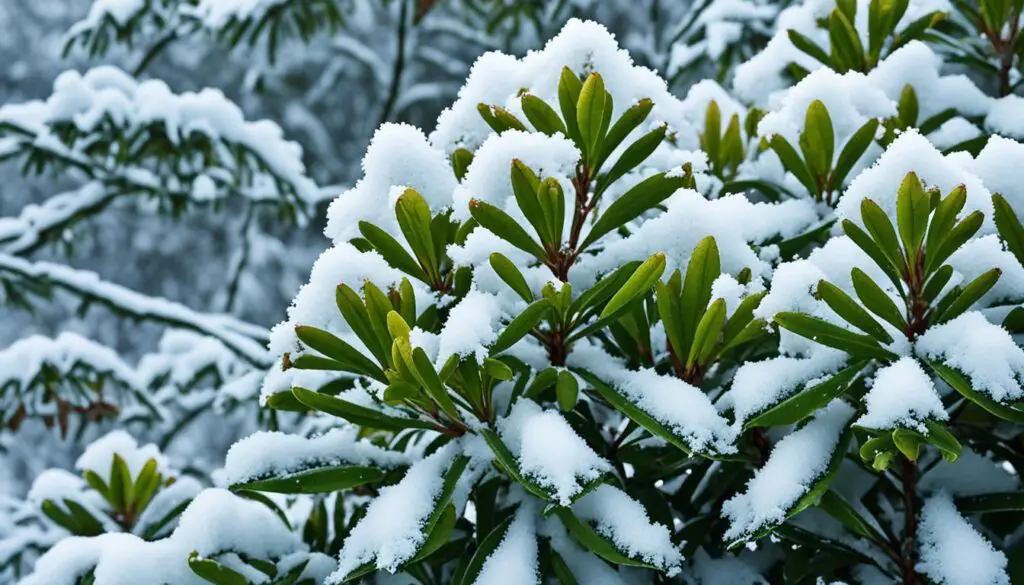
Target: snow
624, 521
421, 166
488, 178
850, 98
100, 453
549, 451
583, 47
682, 408
314, 304
913, 152
273, 454
917, 65
1000, 165
981, 255
796, 462
217, 14
902, 395
733, 221
515, 559
472, 325
760, 385
234, 333
23, 362
1004, 117
985, 353
214, 522
951, 550
391, 532
107, 96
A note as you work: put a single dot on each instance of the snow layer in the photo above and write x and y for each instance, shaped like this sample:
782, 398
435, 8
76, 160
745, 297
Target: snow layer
624, 521
98, 456
515, 559
984, 352
391, 532
216, 521
272, 453
951, 550
902, 395
682, 408
549, 450
797, 461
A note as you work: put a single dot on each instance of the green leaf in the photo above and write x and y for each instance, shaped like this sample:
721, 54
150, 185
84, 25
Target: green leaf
960, 383
503, 226
590, 115
703, 268
868, 245
88, 525
836, 506
876, 300
627, 122
414, 217
943, 440
942, 222
830, 335
569, 89
356, 414
392, 251
907, 108
542, 116
340, 351
146, 484
461, 159
525, 184
710, 140
882, 231
432, 383
817, 141
810, 47
912, 209
567, 390
851, 312
936, 283
808, 401
631, 157
845, 41
604, 289
793, 163
669, 311
357, 316
120, 483
52, 511
639, 199
399, 391
521, 325
214, 572
706, 335
637, 286
510, 274
1009, 226
969, 295
319, 480
552, 202
854, 148
957, 237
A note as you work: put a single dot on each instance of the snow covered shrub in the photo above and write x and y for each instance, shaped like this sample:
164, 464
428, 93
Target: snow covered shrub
585, 331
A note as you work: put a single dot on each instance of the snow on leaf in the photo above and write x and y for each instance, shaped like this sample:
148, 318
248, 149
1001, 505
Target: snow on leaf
797, 463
